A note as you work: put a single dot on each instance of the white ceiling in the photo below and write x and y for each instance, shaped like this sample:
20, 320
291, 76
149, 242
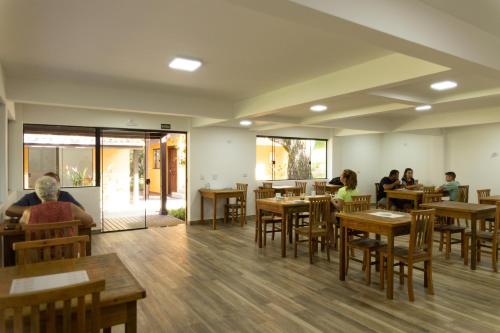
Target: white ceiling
245, 52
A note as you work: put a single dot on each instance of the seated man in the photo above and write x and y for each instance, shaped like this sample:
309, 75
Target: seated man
51, 210
336, 181
451, 186
388, 183
31, 199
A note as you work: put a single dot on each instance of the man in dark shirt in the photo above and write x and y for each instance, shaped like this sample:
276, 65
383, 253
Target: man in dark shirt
31, 199
388, 183
335, 181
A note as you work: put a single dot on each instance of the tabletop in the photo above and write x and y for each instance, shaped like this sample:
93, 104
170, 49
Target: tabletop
121, 285
220, 190
288, 201
460, 206
404, 190
491, 198
368, 217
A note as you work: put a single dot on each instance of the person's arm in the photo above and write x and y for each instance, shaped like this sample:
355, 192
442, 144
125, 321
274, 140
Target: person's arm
25, 218
18, 208
68, 197
338, 201
391, 186
81, 215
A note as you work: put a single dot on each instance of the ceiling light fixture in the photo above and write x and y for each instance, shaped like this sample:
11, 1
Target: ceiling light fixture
444, 85
318, 108
423, 108
185, 64
246, 123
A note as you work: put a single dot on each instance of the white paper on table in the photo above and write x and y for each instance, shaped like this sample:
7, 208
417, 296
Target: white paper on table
43, 282
386, 214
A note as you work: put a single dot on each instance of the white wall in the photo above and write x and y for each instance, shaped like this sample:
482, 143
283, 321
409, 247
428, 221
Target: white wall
372, 156
474, 154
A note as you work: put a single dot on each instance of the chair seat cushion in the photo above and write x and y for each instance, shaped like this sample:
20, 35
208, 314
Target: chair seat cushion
485, 235
453, 228
315, 231
234, 205
403, 252
366, 243
271, 219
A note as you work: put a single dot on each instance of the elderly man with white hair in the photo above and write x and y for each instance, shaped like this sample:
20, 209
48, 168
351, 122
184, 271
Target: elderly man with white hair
51, 210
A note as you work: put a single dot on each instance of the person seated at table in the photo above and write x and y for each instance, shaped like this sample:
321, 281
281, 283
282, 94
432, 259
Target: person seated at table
350, 181
451, 186
336, 181
31, 199
50, 210
408, 181
391, 182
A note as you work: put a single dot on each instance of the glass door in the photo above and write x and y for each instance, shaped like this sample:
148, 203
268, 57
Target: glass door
123, 179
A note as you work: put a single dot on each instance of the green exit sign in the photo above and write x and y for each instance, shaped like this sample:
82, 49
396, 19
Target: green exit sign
165, 126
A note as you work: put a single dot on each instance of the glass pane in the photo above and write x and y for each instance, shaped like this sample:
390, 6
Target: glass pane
264, 159
292, 159
318, 158
66, 150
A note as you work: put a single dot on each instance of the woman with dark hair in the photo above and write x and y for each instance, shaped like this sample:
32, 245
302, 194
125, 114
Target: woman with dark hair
345, 193
408, 181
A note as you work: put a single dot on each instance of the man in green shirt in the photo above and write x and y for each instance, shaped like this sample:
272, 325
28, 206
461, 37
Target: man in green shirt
451, 186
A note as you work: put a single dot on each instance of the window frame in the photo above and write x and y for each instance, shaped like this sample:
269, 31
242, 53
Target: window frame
273, 162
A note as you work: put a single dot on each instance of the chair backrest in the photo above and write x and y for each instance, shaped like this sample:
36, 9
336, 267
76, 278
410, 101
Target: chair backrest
319, 212
496, 225
50, 249
421, 231
263, 194
267, 185
292, 192
377, 190
38, 231
365, 200
242, 187
320, 187
429, 189
463, 193
355, 206
302, 185
40, 307
483, 193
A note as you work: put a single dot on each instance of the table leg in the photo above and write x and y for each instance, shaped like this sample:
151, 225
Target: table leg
388, 202
342, 259
259, 226
415, 204
131, 321
284, 224
473, 247
390, 266
202, 219
290, 228
226, 211
243, 212
106, 330
214, 219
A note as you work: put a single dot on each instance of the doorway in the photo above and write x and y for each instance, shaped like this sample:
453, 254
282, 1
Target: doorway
140, 179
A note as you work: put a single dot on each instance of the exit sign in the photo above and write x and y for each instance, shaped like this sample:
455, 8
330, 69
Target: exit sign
165, 126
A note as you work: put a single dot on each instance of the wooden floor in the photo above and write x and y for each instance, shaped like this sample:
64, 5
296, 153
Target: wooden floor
201, 280
136, 222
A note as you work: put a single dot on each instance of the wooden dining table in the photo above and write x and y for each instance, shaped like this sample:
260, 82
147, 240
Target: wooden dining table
368, 222
11, 232
467, 211
216, 194
118, 300
285, 207
415, 196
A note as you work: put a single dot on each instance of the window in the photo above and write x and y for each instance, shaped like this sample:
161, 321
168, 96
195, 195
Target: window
67, 151
280, 158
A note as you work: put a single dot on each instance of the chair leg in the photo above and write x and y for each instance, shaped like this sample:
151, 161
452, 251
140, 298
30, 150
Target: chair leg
327, 240
368, 267
401, 273
381, 270
264, 230
256, 228
441, 241
272, 234
494, 253
478, 251
466, 250
462, 238
430, 286
296, 243
411, 297
347, 259
448, 245
311, 250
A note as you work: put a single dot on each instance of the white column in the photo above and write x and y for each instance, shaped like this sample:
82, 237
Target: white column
3, 153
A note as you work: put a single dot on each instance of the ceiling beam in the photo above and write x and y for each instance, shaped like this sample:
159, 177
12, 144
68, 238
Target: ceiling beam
372, 74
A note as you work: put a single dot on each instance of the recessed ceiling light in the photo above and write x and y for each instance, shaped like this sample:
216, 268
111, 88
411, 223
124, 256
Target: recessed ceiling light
246, 123
423, 108
318, 108
185, 64
444, 85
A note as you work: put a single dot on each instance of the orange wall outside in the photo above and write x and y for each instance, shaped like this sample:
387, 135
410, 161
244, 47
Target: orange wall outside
153, 174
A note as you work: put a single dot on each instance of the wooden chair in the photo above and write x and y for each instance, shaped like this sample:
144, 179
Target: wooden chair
368, 246
419, 250
377, 185
271, 219
40, 308
267, 185
482, 194
239, 208
50, 230
319, 219
50, 249
446, 228
320, 187
485, 239
302, 185
429, 189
